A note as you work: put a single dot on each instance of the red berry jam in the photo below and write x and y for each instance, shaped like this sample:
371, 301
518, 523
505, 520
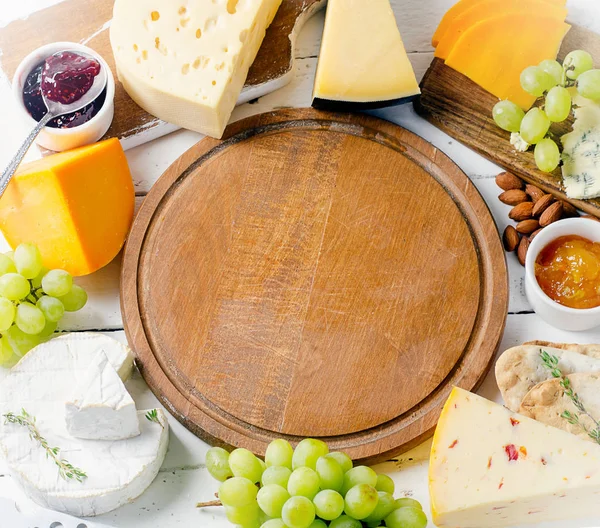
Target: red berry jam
34, 103
68, 76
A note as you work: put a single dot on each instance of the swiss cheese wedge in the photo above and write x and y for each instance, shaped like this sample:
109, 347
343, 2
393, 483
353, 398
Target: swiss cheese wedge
495, 51
462, 6
490, 467
485, 9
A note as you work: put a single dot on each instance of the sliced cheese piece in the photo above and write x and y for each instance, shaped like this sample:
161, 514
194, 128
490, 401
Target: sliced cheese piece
490, 8
362, 63
462, 6
495, 51
77, 206
491, 468
100, 407
117, 471
186, 62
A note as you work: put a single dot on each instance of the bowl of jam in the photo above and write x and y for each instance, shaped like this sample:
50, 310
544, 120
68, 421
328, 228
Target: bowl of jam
562, 274
64, 72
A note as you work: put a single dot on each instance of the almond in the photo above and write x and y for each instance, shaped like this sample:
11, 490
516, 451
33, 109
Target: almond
513, 197
569, 210
521, 212
511, 238
534, 234
552, 214
526, 227
535, 192
522, 250
508, 181
542, 204
590, 217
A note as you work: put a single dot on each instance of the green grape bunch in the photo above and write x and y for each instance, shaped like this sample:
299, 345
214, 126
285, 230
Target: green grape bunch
306, 487
33, 300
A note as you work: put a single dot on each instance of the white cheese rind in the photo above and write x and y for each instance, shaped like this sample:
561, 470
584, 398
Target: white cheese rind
186, 62
100, 407
473, 484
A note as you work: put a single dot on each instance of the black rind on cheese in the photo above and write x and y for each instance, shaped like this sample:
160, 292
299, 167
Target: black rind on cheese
352, 106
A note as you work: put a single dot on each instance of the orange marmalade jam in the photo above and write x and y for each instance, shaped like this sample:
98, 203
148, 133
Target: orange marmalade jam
568, 271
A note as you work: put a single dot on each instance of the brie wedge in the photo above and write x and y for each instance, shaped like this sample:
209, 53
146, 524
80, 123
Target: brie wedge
101, 408
116, 471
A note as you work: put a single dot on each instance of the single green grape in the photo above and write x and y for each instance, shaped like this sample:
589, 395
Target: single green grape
271, 499
577, 62
406, 518
404, 502
298, 512
318, 523
385, 483
20, 342
14, 286
276, 475
7, 264
30, 318
8, 358
547, 155
329, 504
554, 69
28, 260
330, 473
237, 491
342, 459
49, 329
304, 482
243, 463
279, 453
558, 104
36, 282
7, 314
57, 283
273, 523
361, 501
588, 84
536, 81
307, 453
534, 126
508, 115
359, 475
217, 463
345, 522
52, 308
385, 506
243, 515
75, 300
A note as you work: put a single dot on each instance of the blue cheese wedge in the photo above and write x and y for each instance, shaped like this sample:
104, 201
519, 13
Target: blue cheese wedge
100, 407
490, 467
581, 152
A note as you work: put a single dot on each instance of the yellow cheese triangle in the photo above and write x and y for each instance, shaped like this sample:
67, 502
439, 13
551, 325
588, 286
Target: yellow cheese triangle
490, 8
362, 57
491, 467
495, 51
463, 6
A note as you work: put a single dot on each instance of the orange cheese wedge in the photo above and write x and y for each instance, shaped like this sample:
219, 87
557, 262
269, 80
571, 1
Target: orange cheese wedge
485, 9
77, 206
495, 51
463, 6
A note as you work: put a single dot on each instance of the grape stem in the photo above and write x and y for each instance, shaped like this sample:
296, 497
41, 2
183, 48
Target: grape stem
209, 504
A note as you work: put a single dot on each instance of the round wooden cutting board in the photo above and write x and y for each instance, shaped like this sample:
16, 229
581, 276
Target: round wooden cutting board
313, 274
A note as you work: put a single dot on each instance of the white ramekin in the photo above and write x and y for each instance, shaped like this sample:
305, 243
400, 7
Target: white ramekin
550, 311
59, 139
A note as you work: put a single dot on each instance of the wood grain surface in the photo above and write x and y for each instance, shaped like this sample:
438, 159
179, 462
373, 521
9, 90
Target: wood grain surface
313, 274
87, 22
463, 109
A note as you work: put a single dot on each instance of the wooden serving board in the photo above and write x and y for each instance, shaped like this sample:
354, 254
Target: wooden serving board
89, 22
313, 274
463, 110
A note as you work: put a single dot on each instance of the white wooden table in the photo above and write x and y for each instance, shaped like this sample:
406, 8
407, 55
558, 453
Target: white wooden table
183, 480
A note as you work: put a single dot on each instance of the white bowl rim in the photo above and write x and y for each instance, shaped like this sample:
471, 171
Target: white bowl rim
27, 64
539, 243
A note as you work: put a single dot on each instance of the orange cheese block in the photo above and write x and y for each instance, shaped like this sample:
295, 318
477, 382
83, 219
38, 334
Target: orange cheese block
77, 206
485, 9
463, 6
495, 51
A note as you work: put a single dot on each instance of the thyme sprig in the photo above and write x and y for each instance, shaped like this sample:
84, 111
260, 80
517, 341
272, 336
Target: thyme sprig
551, 363
65, 469
153, 417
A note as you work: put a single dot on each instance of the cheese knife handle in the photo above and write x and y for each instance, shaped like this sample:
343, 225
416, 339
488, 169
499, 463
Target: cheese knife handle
16, 161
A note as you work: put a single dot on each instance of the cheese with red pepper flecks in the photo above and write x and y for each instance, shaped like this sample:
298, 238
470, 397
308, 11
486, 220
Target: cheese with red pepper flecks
490, 467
